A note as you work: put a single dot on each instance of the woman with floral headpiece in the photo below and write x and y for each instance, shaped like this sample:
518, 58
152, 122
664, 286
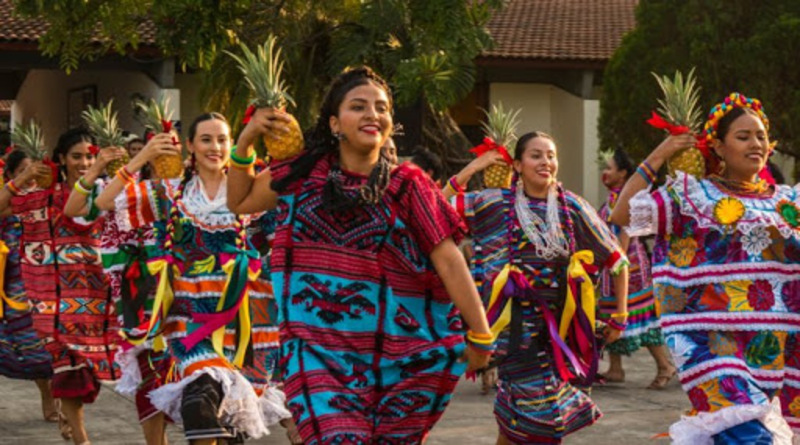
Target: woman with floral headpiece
725, 270
537, 247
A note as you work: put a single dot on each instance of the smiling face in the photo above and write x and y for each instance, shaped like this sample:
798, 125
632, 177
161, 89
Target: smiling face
744, 148
613, 177
77, 161
538, 165
364, 118
211, 145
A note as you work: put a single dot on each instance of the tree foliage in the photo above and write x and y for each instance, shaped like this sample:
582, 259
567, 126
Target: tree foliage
424, 48
735, 45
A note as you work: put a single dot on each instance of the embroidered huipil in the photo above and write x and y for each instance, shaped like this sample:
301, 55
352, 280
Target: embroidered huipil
726, 272
203, 242
534, 403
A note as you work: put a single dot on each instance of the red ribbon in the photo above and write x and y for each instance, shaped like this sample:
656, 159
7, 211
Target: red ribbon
131, 275
488, 145
659, 122
248, 114
166, 125
94, 149
9, 149
148, 135
54, 171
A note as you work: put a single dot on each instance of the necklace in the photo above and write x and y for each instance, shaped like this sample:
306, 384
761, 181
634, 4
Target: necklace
759, 187
546, 237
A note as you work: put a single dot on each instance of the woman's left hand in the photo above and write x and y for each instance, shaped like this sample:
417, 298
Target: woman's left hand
611, 335
475, 360
104, 157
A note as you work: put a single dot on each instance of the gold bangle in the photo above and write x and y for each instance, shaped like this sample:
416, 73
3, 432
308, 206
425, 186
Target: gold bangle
619, 314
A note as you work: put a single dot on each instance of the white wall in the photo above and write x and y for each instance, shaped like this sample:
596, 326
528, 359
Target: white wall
571, 120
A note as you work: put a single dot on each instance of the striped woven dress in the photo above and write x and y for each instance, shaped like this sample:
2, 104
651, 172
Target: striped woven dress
643, 326
534, 403
22, 353
74, 312
369, 337
203, 248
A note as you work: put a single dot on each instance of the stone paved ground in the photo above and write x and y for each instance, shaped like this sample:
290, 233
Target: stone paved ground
633, 415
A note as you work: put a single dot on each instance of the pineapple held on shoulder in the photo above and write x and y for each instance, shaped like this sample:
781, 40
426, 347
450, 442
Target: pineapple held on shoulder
679, 108
28, 138
156, 117
104, 127
262, 72
500, 131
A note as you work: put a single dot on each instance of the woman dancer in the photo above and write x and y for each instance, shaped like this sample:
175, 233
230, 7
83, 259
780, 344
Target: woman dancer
533, 245
218, 327
643, 327
363, 261
22, 353
63, 275
725, 271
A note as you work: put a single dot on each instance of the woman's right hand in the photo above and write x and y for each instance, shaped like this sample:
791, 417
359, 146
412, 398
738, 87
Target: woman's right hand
267, 122
485, 161
159, 145
674, 144
26, 178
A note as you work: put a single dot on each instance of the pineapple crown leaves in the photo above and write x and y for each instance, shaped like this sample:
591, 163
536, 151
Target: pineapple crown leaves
681, 95
154, 113
29, 138
103, 125
603, 156
501, 125
262, 72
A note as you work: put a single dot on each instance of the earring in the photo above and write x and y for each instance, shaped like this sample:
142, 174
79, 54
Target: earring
337, 135
721, 167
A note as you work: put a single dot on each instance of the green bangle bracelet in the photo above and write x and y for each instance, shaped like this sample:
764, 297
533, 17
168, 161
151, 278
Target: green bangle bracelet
242, 161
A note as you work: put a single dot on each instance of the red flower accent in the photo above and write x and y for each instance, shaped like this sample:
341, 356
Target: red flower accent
760, 295
166, 125
94, 150
9, 149
148, 135
699, 399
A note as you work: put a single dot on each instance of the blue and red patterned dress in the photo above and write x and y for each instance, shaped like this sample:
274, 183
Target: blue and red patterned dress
726, 270
370, 340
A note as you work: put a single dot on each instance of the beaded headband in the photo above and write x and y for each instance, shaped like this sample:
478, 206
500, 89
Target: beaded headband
734, 100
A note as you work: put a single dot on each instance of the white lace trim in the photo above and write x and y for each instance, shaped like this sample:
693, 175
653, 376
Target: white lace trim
644, 214
730, 321
773, 271
699, 374
697, 200
700, 429
240, 408
131, 375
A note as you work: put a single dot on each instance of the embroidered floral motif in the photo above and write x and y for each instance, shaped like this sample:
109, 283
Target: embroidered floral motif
671, 299
682, 348
762, 350
789, 212
760, 296
722, 343
756, 241
790, 293
738, 293
682, 252
699, 399
728, 210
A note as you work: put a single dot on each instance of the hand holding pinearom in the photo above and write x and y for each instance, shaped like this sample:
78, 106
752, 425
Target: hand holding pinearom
28, 138
500, 128
262, 72
156, 117
679, 109
103, 125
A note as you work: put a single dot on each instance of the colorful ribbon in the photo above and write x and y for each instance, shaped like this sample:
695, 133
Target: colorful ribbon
578, 283
241, 267
659, 122
248, 114
12, 303
488, 145
159, 267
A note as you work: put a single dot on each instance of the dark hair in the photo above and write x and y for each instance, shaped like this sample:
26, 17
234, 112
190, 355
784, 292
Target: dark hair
13, 160
133, 141
724, 124
523, 140
189, 171
624, 162
428, 161
67, 140
320, 142
777, 174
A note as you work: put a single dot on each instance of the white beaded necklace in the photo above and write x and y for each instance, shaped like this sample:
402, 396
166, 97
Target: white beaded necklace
547, 238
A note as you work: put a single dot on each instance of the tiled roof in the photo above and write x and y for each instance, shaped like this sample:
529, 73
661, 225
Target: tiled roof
5, 106
16, 29
586, 30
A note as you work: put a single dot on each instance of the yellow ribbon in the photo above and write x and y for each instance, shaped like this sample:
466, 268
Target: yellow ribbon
575, 270
12, 303
218, 337
163, 301
497, 289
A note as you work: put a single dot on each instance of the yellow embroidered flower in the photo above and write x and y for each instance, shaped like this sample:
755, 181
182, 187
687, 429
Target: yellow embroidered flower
670, 299
722, 343
682, 252
794, 407
728, 210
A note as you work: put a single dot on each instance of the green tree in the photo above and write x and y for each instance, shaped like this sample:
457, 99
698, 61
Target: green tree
735, 45
424, 48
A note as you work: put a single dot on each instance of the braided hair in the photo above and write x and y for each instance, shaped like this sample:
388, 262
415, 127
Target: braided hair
320, 141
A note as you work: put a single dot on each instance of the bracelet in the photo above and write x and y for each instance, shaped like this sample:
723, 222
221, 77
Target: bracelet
614, 324
454, 186
85, 185
81, 189
620, 314
236, 160
482, 349
245, 167
481, 339
13, 188
646, 172
124, 175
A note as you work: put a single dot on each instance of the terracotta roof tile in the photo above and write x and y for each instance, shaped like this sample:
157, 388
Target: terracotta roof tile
5, 106
21, 30
560, 29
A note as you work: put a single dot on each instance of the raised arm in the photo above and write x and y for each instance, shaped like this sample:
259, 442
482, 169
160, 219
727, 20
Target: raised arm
478, 164
248, 193
672, 144
23, 181
160, 144
78, 202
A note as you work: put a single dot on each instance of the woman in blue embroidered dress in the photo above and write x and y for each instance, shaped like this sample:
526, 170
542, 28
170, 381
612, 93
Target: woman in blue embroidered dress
725, 270
527, 240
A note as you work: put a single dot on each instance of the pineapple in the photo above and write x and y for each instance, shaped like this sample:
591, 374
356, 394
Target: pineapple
29, 139
262, 72
156, 117
500, 126
102, 124
679, 106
